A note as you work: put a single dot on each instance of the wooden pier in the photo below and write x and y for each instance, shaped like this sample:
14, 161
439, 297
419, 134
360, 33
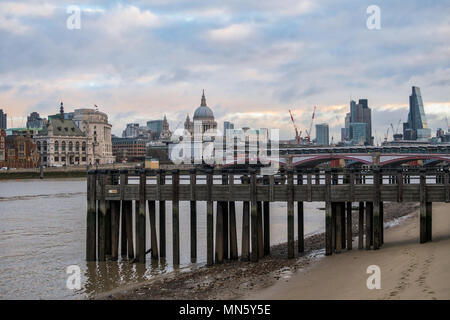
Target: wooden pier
110, 214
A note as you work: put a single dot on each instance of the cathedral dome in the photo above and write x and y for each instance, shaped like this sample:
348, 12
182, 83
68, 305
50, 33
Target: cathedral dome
203, 112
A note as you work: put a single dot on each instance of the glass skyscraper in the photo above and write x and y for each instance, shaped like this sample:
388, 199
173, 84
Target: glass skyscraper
417, 126
322, 134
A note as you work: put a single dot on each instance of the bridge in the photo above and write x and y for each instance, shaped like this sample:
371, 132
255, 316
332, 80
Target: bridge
110, 200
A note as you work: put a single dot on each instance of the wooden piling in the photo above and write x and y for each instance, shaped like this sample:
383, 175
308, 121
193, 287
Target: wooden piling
300, 218
447, 184
108, 216
153, 235
429, 208
343, 226
260, 229
369, 215
91, 217
423, 207
339, 233
219, 232
232, 213
290, 214
101, 246
141, 219
225, 219
161, 180
209, 220
328, 215
349, 226
127, 211
175, 217
123, 223
193, 220
254, 217
376, 209
361, 226
245, 251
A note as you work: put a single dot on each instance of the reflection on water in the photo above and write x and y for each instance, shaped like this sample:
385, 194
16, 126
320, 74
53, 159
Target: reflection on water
43, 228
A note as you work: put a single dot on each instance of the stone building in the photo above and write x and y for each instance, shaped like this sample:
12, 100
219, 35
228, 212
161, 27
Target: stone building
62, 143
94, 124
203, 120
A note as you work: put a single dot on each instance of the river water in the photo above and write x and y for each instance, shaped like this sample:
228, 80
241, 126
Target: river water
43, 231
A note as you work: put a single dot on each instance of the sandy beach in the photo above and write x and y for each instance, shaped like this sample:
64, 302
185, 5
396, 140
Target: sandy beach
409, 270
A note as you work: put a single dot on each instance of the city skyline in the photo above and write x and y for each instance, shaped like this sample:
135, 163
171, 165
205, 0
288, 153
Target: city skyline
255, 61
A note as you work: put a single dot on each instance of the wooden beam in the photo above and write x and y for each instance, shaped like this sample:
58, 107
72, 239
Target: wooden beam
140, 219
161, 180
232, 211
328, 215
254, 217
123, 223
175, 217
349, 226
300, 219
423, 207
290, 214
193, 220
209, 220
102, 218
153, 235
361, 226
91, 217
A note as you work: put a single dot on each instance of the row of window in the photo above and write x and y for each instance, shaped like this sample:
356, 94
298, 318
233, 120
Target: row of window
70, 146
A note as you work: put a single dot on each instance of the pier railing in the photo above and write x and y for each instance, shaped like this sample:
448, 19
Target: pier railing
111, 195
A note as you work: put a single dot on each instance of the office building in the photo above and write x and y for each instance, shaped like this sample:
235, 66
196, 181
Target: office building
416, 128
3, 120
322, 134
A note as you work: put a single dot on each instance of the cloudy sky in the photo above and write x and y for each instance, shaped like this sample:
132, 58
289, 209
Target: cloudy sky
256, 59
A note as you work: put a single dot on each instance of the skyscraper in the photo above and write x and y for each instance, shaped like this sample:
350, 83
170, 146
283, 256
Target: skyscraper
34, 121
322, 134
3, 120
360, 113
417, 127
227, 125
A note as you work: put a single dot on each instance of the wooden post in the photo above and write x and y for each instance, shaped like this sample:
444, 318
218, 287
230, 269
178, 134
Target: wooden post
339, 229
91, 217
328, 215
193, 205
115, 221
349, 226
209, 220
140, 219
162, 214
254, 217
361, 226
343, 225
376, 209
101, 246
447, 184
300, 216
225, 219
123, 237
260, 230
290, 213
369, 214
245, 254
127, 211
108, 216
399, 186
423, 207
429, 208
175, 217
309, 182
153, 235
219, 232
381, 222
233, 233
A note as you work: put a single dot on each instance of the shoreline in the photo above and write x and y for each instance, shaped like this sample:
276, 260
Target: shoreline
408, 269
239, 279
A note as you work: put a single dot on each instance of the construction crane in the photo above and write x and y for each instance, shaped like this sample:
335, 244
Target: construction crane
387, 133
308, 132
297, 134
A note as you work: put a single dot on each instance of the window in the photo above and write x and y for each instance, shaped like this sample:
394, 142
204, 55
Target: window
63, 159
77, 146
63, 146
70, 146
83, 147
83, 159
56, 159
56, 146
39, 146
45, 146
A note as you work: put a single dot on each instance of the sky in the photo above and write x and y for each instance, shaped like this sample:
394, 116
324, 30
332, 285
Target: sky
256, 59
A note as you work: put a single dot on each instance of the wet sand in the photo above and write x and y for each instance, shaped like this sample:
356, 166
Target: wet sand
267, 279
409, 270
